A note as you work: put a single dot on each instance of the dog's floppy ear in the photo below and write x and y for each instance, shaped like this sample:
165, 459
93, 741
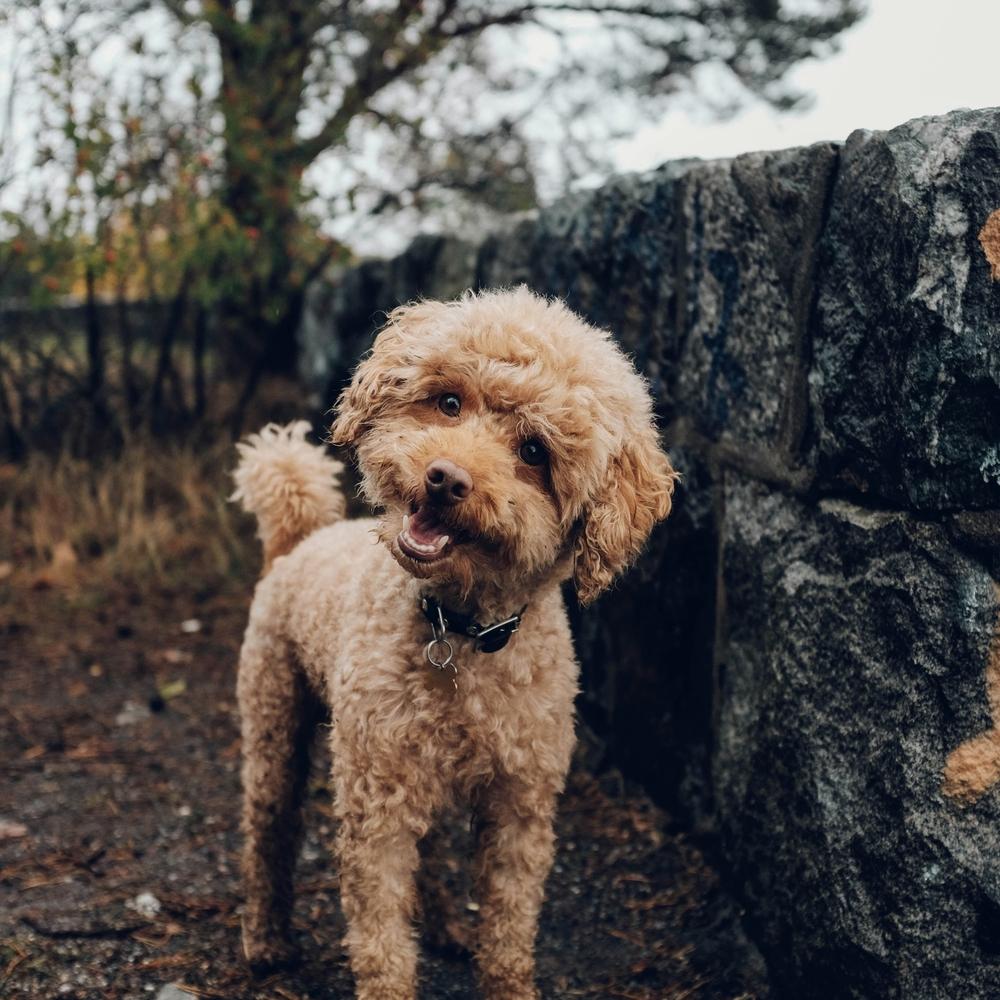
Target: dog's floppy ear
381, 376
359, 402
635, 494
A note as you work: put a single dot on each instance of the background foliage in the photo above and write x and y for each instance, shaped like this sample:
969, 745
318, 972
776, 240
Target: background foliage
190, 166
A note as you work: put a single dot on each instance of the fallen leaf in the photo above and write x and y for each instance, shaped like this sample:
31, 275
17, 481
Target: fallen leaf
63, 556
172, 689
60, 570
11, 829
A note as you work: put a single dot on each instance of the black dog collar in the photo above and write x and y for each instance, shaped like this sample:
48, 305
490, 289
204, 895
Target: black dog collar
489, 638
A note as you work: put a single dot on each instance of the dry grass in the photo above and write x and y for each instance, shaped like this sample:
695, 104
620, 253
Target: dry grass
155, 514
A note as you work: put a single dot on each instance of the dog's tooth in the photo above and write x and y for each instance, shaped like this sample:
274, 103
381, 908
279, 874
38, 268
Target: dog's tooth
425, 548
413, 543
406, 522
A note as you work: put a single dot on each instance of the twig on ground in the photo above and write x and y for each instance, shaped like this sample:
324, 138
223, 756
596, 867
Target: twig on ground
57, 933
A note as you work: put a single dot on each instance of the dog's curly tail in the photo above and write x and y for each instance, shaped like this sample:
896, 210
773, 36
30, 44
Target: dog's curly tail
289, 484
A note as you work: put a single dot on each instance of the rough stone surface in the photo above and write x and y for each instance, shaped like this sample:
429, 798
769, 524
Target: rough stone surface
623, 236
802, 659
747, 268
646, 651
906, 373
857, 642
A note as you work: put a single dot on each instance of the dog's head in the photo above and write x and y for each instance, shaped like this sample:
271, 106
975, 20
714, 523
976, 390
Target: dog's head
506, 440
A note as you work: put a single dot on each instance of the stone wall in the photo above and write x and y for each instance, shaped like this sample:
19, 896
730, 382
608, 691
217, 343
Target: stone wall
804, 660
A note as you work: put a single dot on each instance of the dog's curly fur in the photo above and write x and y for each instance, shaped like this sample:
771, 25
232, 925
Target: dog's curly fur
335, 618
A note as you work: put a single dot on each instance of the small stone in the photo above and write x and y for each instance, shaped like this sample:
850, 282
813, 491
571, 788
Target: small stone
132, 712
170, 992
146, 904
190, 626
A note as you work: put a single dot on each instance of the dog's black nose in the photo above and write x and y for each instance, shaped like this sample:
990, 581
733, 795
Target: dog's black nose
447, 482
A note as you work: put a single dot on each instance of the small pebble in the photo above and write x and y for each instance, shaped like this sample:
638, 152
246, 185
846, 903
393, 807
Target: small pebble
146, 904
131, 713
170, 992
191, 625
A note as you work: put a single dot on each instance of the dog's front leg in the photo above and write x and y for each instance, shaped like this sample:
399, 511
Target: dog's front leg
516, 847
377, 850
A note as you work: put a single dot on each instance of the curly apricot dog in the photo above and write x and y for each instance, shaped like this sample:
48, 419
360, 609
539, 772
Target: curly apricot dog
509, 447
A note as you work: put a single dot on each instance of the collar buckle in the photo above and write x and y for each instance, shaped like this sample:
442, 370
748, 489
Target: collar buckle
488, 638
494, 637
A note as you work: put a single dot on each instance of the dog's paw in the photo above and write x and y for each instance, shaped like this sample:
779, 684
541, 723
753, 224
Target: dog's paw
508, 987
454, 938
267, 957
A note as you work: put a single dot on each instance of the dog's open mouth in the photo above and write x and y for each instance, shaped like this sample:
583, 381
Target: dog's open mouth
424, 536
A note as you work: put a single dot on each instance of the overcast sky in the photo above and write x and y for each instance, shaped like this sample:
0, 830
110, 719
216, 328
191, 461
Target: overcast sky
906, 59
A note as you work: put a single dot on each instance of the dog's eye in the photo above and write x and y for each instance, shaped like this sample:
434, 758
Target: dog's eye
450, 404
532, 452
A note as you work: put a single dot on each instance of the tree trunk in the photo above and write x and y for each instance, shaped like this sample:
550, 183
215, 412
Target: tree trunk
127, 335
262, 85
15, 442
199, 344
95, 340
164, 360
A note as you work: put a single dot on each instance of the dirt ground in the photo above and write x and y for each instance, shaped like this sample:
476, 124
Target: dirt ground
119, 755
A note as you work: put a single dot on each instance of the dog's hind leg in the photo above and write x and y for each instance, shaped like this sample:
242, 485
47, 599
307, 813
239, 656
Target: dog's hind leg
279, 717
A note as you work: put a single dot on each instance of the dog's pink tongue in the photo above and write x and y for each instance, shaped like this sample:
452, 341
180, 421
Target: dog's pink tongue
425, 527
